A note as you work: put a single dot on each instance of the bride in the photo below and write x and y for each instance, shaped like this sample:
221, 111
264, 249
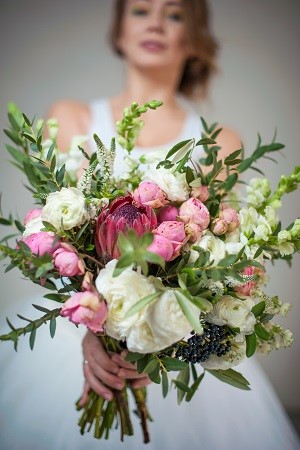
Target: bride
169, 54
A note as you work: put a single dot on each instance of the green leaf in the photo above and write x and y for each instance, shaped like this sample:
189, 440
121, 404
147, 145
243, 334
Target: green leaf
183, 377
229, 378
183, 387
152, 364
258, 309
261, 332
173, 363
32, 338
177, 147
52, 326
55, 297
41, 308
228, 261
184, 304
154, 259
165, 383
194, 388
5, 221
133, 356
142, 303
124, 244
142, 363
206, 141
250, 344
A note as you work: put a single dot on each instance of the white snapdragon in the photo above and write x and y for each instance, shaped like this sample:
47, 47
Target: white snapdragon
121, 293
234, 312
211, 243
248, 220
295, 230
263, 229
235, 356
271, 217
66, 207
258, 191
173, 184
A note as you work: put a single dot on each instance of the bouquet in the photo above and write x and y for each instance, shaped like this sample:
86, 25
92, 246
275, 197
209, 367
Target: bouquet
168, 263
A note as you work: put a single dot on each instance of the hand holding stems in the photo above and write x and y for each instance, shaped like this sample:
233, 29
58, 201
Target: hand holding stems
107, 370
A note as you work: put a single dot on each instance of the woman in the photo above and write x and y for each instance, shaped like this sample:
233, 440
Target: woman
168, 49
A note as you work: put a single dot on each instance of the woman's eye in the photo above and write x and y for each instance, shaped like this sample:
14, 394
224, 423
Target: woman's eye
176, 16
139, 11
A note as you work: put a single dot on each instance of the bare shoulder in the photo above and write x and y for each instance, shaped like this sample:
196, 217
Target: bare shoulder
229, 141
73, 119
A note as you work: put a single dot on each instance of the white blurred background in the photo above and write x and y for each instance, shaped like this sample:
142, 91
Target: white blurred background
58, 49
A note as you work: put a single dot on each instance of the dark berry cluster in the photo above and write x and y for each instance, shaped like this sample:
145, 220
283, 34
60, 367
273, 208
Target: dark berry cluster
213, 341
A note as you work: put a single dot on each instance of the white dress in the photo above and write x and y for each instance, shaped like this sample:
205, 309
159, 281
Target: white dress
39, 388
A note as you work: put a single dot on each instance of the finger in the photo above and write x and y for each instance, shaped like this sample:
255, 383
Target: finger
85, 394
96, 385
131, 374
96, 355
105, 377
118, 359
140, 383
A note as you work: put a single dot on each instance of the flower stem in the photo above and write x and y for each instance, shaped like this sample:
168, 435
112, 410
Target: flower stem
140, 398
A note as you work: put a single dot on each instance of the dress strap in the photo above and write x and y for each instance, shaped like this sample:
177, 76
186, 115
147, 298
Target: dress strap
100, 122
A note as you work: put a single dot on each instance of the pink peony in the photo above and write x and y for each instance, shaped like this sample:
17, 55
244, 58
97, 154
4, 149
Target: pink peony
149, 194
86, 308
162, 246
32, 214
67, 261
118, 217
219, 227
201, 192
173, 230
168, 212
193, 210
193, 232
41, 243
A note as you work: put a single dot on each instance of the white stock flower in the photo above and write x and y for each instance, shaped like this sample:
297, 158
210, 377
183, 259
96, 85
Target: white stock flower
263, 229
284, 235
295, 230
262, 185
121, 293
174, 184
248, 220
233, 312
33, 226
211, 243
66, 206
235, 356
285, 248
254, 197
271, 217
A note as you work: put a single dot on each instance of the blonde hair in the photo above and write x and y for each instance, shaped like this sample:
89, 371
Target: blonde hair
198, 70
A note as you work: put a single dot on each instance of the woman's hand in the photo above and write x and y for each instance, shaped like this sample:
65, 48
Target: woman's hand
103, 371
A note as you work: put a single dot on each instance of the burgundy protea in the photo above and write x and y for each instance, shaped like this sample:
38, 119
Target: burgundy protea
117, 217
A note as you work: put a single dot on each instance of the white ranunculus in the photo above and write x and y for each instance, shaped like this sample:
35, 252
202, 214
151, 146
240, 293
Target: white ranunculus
235, 356
211, 243
167, 320
174, 184
66, 206
121, 293
234, 312
141, 340
33, 226
248, 220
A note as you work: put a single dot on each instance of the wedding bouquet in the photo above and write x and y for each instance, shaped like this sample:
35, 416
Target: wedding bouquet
167, 263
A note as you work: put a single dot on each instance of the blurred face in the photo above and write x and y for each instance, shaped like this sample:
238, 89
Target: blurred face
153, 34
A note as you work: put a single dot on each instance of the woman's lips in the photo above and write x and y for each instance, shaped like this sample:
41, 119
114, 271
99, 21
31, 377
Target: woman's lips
153, 46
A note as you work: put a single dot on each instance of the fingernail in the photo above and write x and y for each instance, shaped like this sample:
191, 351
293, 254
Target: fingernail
107, 396
121, 373
119, 385
124, 353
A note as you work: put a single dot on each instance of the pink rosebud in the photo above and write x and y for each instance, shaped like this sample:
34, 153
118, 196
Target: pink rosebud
149, 194
41, 243
193, 210
87, 309
162, 246
167, 213
230, 216
67, 261
248, 287
193, 232
32, 214
201, 192
219, 227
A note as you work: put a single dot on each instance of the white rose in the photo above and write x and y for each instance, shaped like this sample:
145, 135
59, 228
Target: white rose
67, 206
235, 356
33, 226
213, 244
234, 312
174, 184
121, 293
167, 321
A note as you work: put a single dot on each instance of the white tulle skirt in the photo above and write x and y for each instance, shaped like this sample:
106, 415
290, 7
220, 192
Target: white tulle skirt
39, 389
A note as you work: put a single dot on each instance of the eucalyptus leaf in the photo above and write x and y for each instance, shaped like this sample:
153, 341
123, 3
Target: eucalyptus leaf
165, 383
184, 304
194, 388
250, 344
142, 303
173, 363
261, 332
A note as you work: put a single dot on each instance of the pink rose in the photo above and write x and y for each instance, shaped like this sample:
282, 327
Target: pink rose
193, 210
67, 261
32, 214
162, 246
86, 308
168, 212
41, 243
248, 287
149, 194
230, 216
201, 192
